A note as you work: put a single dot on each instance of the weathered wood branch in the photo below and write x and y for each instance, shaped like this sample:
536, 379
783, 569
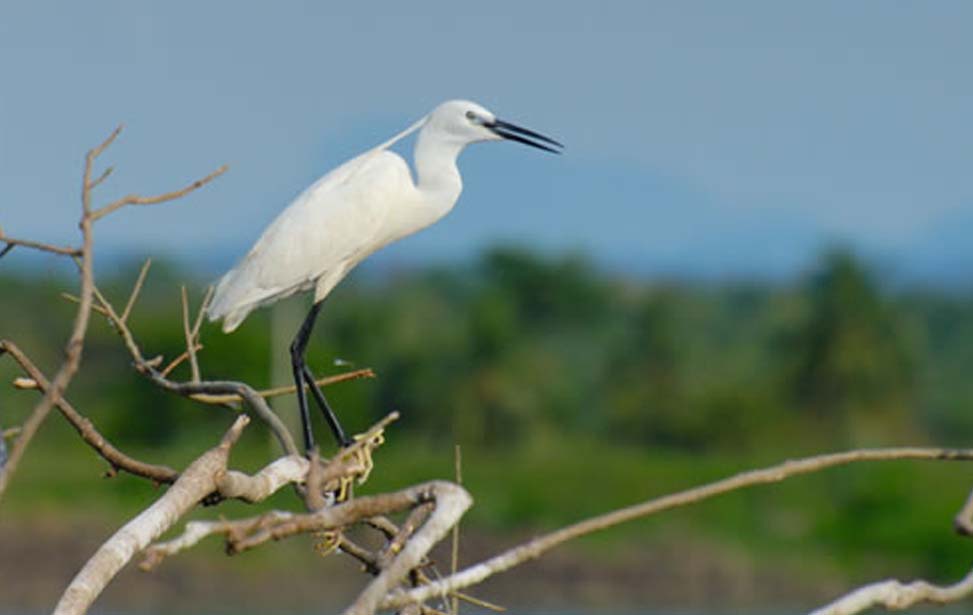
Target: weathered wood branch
538, 546
198, 480
135, 199
84, 257
118, 460
897, 596
75, 343
37, 245
450, 503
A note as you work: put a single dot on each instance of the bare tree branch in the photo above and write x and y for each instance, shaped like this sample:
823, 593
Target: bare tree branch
188, 334
75, 342
266, 482
196, 531
897, 596
538, 546
198, 480
117, 459
36, 245
134, 199
451, 501
191, 389
76, 299
85, 260
201, 312
224, 387
287, 390
103, 146
351, 463
409, 527
104, 175
168, 369
136, 289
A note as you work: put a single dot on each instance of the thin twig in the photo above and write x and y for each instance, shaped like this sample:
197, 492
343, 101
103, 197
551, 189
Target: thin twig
86, 429
201, 391
451, 502
37, 245
454, 551
178, 361
103, 146
75, 344
197, 325
227, 387
412, 523
286, 390
135, 199
369, 562
136, 289
75, 299
187, 332
104, 175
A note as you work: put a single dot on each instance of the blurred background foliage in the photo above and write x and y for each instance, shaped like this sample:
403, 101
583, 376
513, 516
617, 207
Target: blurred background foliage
571, 391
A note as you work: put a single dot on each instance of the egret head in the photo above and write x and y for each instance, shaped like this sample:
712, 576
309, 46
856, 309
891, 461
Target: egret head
467, 122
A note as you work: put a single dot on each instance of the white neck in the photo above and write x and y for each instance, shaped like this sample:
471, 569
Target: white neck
438, 179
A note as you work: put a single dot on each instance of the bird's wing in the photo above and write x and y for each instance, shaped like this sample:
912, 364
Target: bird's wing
332, 225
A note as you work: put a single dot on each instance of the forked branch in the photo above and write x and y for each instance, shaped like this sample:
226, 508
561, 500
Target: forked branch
199, 480
135, 199
538, 546
84, 257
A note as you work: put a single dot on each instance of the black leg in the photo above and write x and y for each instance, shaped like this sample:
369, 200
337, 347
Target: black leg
302, 376
298, 346
329, 415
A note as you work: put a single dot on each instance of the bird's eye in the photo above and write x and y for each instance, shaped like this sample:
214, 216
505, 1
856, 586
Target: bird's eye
470, 116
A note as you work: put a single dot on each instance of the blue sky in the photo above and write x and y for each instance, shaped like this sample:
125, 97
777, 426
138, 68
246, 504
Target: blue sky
703, 138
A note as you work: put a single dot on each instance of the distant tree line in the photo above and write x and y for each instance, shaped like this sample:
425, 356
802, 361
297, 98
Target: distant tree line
519, 345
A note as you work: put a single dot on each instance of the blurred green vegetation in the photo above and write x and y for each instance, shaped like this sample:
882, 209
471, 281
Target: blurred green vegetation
571, 392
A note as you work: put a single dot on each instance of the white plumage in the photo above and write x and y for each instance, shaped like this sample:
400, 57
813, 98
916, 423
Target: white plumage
325, 232
321, 235
356, 209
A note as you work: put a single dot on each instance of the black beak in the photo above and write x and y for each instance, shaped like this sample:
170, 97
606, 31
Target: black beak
522, 135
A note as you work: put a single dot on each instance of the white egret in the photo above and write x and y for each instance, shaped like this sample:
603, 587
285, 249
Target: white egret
356, 209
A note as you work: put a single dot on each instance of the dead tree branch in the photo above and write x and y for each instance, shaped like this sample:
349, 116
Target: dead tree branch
75, 342
54, 390
897, 596
199, 480
136, 289
118, 460
538, 546
289, 389
451, 502
135, 199
36, 245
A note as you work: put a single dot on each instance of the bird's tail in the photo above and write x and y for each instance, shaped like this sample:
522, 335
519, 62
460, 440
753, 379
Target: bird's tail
226, 304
